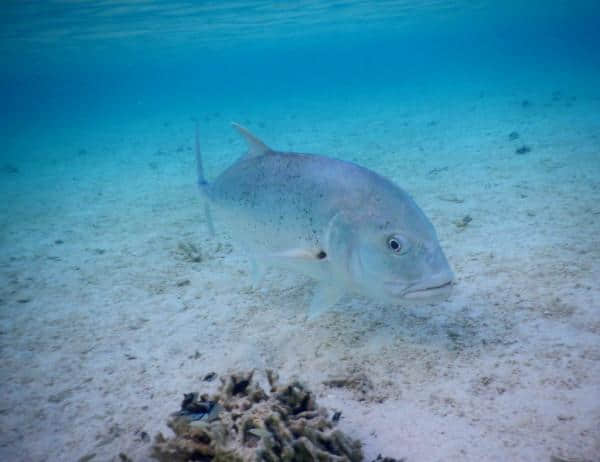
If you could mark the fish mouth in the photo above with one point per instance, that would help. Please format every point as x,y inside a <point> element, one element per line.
<point>421,291</point>
<point>428,292</point>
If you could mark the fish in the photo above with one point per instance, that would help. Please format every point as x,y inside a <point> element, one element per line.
<point>345,226</point>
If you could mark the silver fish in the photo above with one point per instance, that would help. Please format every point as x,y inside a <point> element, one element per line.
<point>349,228</point>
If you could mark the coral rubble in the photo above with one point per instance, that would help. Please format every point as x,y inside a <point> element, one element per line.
<point>243,422</point>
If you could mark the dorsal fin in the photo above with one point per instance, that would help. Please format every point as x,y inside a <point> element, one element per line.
<point>255,146</point>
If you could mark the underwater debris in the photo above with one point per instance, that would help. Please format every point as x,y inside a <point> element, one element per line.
<point>194,409</point>
<point>142,436</point>
<point>523,150</point>
<point>513,136</point>
<point>463,222</point>
<point>380,458</point>
<point>209,377</point>
<point>360,384</point>
<point>451,198</point>
<point>241,422</point>
<point>189,252</point>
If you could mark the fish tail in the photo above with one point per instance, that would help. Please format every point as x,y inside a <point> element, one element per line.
<point>202,183</point>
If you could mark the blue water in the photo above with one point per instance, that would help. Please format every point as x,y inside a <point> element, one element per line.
<point>99,308</point>
<point>72,61</point>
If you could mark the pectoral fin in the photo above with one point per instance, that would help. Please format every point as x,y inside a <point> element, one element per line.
<point>326,295</point>
<point>301,253</point>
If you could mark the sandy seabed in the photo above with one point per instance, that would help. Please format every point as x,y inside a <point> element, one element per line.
<point>115,301</point>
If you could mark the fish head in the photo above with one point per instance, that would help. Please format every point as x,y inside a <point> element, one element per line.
<point>392,254</point>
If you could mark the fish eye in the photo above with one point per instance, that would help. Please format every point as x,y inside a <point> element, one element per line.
<point>397,244</point>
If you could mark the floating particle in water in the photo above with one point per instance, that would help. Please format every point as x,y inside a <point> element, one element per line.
<point>523,150</point>
<point>10,169</point>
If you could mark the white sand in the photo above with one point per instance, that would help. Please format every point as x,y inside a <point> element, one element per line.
<point>99,334</point>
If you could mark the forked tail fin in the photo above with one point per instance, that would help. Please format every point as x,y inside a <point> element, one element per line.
<point>203,184</point>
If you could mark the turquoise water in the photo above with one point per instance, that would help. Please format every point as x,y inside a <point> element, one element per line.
<point>70,61</point>
<point>114,299</point>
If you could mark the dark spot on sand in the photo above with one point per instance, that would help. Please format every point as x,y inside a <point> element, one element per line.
<point>380,458</point>
<point>486,380</point>
<point>513,136</point>
<point>523,150</point>
<point>59,242</point>
<point>189,252</point>
<point>144,437</point>
<point>321,255</point>
<point>209,377</point>
<point>462,224</point>
<point>525,103</point>
<point>435,171</point>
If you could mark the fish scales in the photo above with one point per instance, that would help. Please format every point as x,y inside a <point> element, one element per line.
<point>346,226</point>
